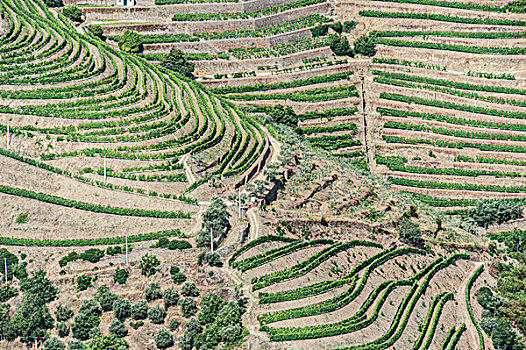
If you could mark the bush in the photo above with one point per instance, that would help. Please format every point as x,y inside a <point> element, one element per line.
<point>139,310</point>
<point>177,62</point>
<point>106,298</point>
<point>163,339</point>
<point>130,41</point>
<point>152,291</point>
<point>348,26</point>
<point>83,325</point>
<point>22,218</point>
<point>53,3</point>
<point>174,324</point>
<point>188,307</point>
<point>122,309</point>
<point>137,324</point>
<point>340,45</point>
<point>156,314</point>
<point>53,344</point>
<point>118,328</point>
<point>76,345</point>
<point>186,341</point>
<point>62,329</point>
<point>73,13</point>
<point>409,232</point>
<point>7,292</point>
<point>189,289</point>
<point>365,45</point>
<point>90,307</point>
<point>108,342</point>
<point>96,30</point>
<point>63,313</point>
<point>149,264</point>
<point>84,282</point>
<point>495,211</point>
<point>121,276</point>
<point>178,278</point>
<point>170,297</point>
<point>179,244</point>
<point>319,30</point>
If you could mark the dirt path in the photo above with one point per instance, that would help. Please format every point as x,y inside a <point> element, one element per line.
<point>254,225</point>
<point>460,296</point>
<point>188,171</point>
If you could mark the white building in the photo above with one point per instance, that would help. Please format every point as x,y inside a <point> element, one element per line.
<point>125,2</point>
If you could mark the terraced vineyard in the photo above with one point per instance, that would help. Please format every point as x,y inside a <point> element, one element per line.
<point>337,295</point>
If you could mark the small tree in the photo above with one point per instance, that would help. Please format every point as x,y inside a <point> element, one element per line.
<point>153,291</point>
<point>170,297</point>
<point>122,309</point>
<point>319,30</point>
<point>84,282</point>
<point>139,310</point>
<point>409,232</point>
<point>188,307</point>
<point>108,342</point>
<point>53,344</point>
<point>63,313</point>
<point>189,289</point>
<point>174,324</point>
<point>90,307</point>
<point>83,325</point>
<point>62,329</point>
<point>76,345</point>
<point>121,276</point>
<point>186,341</point>
<point>95,29</point>
<point>149,264</point>
<point>73,13</point>
<point>163,339</point>
<point>118,328</point>
<point>53,3</point>
<point>130,41</point>
<point>156,314</point>
<point>340,45</point>
<point>106,298</point>
<point>177,62</point>
<point>365,45</point>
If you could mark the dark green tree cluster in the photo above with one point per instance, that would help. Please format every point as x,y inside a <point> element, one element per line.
<point>495,212</point>
<point>177,62</point>
<point>149,265</point>
<point>340,45</point>
<point>95,29</point>
<point>283,115</point>
<point>409,232</point>
<point>54,3</point>
<point>215,218</point>
<point>73,13</point>
<point>130,42</point>
<point>365,45</point>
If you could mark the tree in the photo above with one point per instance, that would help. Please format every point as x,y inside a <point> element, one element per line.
<point>365,45</point>
<point>283,115</point>
<point>76,345</point>
<point>186,341</point>
<point>139,310</point>
<point>188,307</point>
<point>73,13</point>
<point>130,41</point>
<point>173,324</point>
<point>163,339</point>
<point>108,342</point>
<point>39,285</point>
<point>90,307</point>
<point>153,291</point>
<point>156,314</point>
<point>121,276</point>
<point>62,329</point>
<point>83,325</point>
<point>84,282</point>
<point>63,313</point>
<point>95,29</point>
<point>6,328</point>
<point>177,61</point>
<point>215,218</point>
<point>54,3</point>
<point>149,264</point>
<point>118,328</point>
<point>7,292</point>
<point>32,318</point>
<point>340,45</point>
<point>495,211</point>
<point>122,309</point>
<point>210,306</point>
<point>170,297</point>
<point>106,298</point>
<point>409,232</point>
<point>319,30</point>
<point>53,344</point>
<point>348,26</point>
<point>193,327</point>
<point>189,289</point>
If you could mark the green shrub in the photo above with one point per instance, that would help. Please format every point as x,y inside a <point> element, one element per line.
<point>170,297</point>
<point>108,342</point>
<point>409,232</point>
<point>122,309</point>
<point>189,289</point>
<point>188,307</point>
<point>63,313</point>
<point>95,29</point>
<point>62,329</point>
<point>76,345</point>
<point>149,264</point>
<point>84,282</point>
<point>139,310</point>
<point>156,314</point>
<point>319,30</point>
<point>121,276</point>
<point>130,41</point>
<point>105,298</point>
<point>53,344</point>
<point>73,13</point>
<point>22,218</point>
<point>177,62</point>
<point>163,339</point>
<point>118,328</point>
<point>340,45</point>
<point>90,307</point>
<point>496,211</point>
<point>174,324</point>
<point>153,291</point>
<point>53,3</point>
<point>365,45</point>
<point>7,292</point>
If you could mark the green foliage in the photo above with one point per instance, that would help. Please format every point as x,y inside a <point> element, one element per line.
<point>130,41</point>
<point>32,318</point>
<point>92,255</point>
<point>409,232</point>
<point>149,265</point>
<point>170,297</point>
<point>348,26</point>
<point>120,276</point>
<point>7,292</point>
<point>486,213</point>
<point>319,30</point>
<point>22,218</point>
<point>105,298</point>
<point>163,339</point>
<point>283,115</point>
<point>153,291</point>
<point>84,282</point>
<point>156,314</point>
<point>215,218</point>
<point>40,286</point>
<point>188,307</point>
<point>12,262</point>
<point>174,324</point>
<point>210,306</point>
<point>177,62</point>
<point>76,345</point>
<point>108,342</point>
<point>90,307</point>
<point>73,13</point>
<point>63,313</point>
<point>118,328</point>
<point>516,6</point>
<point>189,289</point>
<point>340,45</point>
<point>139,310</point>
<point>95,29</point>
<point>122,309</point>
<point>53,344</point>
<point>53,3</point>
<point>82,326</point>
<point>365,45</point>
<point>62,329</point>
